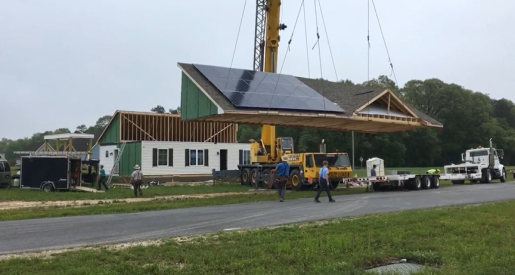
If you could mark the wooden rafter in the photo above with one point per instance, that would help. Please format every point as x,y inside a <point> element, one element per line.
<point>141,126</point>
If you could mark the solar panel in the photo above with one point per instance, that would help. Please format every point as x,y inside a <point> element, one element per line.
<point>254,89</point>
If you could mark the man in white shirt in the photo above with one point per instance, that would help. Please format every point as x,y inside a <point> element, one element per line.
<point>137,180</point>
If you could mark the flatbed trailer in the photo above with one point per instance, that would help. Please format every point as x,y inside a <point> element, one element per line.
<point>409,181</point>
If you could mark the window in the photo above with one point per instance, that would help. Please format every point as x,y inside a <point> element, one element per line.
<point>2,167</point>
<point>7,167</point>
<point>107,154</point>
<point>162,157</point>
<point>196,157</point>
<point>244,157</point>
<point>334,160</point>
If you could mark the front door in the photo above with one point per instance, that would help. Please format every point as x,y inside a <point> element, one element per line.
<point>223,159</point>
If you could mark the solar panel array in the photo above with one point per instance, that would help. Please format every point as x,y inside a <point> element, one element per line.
<point>254,89</point>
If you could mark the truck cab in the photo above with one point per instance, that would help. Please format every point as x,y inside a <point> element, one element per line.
<point>339,167</point>
<point>480,164</point>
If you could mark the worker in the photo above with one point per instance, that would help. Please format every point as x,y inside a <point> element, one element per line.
<point>102,178</point>
<point>137,180</point>
<point>433,171</point>
<point>373,171</point>
<point>282,170</point>
<point>324,183</point>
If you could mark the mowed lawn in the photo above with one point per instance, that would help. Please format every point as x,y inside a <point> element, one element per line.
<point>117,193</point>
<point>468,240</point>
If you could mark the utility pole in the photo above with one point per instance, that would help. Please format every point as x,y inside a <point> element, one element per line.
<point>353,167</point>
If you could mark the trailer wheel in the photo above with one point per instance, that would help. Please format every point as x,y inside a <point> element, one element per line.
<point>334,184</point>
<point>47,187</point>
<point>376,186</point>
<point>503,176</point>
<point>296,179</point>
<point>417,183</point>
<point>245,176</point>
<point>426,182</point>
<point>435,182</point>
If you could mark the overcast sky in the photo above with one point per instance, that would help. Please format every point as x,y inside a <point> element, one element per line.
<point>66,63</point>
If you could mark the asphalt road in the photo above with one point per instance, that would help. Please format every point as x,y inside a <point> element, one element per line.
<point>67,232</point>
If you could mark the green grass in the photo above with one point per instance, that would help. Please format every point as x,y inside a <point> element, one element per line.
<point>459,240</point>
<point>116,193</point>
<point>158,204</point>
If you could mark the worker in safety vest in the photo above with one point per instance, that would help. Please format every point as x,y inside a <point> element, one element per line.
<point>433,171</point>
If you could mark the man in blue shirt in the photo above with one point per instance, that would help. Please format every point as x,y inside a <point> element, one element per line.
<point>373,171</point>
<point>324,183</point>
<point>282,172</point>
<point>102,178</point>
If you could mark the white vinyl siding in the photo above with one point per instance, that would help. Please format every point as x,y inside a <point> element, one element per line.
<point>205,161</point>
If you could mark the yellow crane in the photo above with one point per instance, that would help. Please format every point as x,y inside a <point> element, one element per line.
<point>266,152</point>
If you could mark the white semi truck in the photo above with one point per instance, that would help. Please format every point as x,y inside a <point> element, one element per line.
<point>478,165</point>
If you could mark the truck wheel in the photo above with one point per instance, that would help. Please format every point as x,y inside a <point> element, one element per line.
<point>426,182</point>
<point>417,183</point>
<point>266,173</point>
<point>245,176</point>
<point>487,176</point>
<point>503,175</point>
<point>296,179</point>
<point>47,187</point>
<point>334,184</point>
<point>435,182</point>
<point>253,179</point>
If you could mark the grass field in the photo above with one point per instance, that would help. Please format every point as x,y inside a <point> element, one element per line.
<point>464,240</point>
<point>117,193</point>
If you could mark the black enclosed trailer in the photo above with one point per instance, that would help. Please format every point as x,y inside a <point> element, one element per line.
<point>50,172</point>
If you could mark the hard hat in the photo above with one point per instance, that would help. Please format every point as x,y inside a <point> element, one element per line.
<point>284,158</point>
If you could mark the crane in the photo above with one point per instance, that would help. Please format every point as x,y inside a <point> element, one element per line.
<point>266,152</point>
<point>266,50</point>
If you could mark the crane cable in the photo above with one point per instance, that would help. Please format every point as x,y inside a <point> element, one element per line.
<point>236,43</point>
<point>306,36</point>
<point>328,42</point>
<point>384,40</point>
<point>319,52</point>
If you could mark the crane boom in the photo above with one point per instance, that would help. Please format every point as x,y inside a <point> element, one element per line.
<point>266,48</point>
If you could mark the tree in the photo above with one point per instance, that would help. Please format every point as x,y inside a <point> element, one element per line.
<point>158,109</point>
<point>175,111</point>
<point>82,128</point>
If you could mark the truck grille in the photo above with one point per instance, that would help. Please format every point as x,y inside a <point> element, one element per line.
<point>339,174</point>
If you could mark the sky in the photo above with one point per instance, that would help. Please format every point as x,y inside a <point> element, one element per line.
<point>66,63</point>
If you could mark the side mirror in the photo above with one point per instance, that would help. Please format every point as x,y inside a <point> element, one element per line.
<point>462,157</point>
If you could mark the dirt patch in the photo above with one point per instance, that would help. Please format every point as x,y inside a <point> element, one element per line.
<point>50,253</point>
<point>10,205</point>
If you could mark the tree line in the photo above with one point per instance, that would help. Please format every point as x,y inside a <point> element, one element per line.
<point>470,119</point>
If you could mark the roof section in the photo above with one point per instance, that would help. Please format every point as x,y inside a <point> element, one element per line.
<point>367,109</point>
